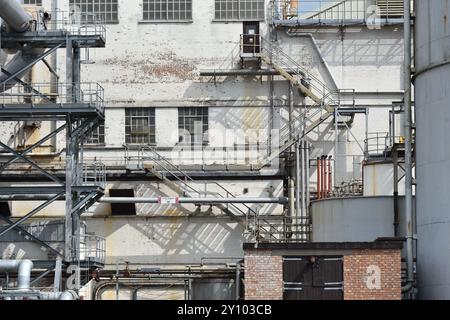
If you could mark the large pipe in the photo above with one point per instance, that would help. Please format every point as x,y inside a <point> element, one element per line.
<point>15,16</point>
<point>18,20</point>
<point>23,269</point>
<point>280,200</point>
<point>408,150</point>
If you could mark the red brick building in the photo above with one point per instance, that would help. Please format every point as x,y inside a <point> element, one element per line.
<point>323,271</point>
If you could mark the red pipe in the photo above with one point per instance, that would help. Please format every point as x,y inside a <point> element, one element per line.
<point>319,191</point>
<point>330,178</point>
<point>324,183</point>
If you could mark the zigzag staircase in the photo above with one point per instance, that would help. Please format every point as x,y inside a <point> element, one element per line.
<point>324,100</point>
<point>181,183</point>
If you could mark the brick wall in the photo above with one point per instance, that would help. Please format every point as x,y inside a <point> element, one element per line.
<point>372,275</point>
<point>263,276</point>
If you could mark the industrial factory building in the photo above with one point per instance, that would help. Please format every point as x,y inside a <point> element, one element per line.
<point>224,150</point>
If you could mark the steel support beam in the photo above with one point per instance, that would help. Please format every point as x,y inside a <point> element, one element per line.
<point>32,238</point>
<point>31,64</point>
<point>32,163</point>
<point>31,148</point>
<point>30,214</point>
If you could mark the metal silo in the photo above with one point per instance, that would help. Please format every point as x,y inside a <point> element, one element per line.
<point>432,91</point>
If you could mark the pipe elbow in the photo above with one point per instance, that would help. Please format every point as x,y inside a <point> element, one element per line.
<point>24,274</point>
<point>68,296</point>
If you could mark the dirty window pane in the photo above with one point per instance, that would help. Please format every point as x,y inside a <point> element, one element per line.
<point>239,10</point>
<point>140,126</point>
<point>97,136</point>
<point>193,125</point>
<point>167,10</point>
<point>107,10</point>
<point>33,2</point>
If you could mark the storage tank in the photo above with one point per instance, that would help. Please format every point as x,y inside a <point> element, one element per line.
<point>432,90</point>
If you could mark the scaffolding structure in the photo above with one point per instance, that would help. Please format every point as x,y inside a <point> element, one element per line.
<point>74,108</point>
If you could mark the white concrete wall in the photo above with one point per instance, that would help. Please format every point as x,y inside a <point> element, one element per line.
<point>157,65</point>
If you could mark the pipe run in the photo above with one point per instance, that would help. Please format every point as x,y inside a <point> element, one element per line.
<point>408,150</point>
<point>177,200</point>
<point>23,269</point>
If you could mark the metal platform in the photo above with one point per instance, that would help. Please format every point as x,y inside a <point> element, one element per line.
<point>50,39</point>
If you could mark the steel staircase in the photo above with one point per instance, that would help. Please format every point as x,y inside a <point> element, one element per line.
<point>180,182</point>
<point>324,100</point>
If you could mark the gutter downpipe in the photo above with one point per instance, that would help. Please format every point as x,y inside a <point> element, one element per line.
<point>319,53</point>
<point>408,150</point>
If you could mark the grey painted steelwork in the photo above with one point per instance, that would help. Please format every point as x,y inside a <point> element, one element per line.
<point>432,100</point>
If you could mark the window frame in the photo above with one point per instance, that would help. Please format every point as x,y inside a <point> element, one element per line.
<point>114,21</point>
<point>99,131</point>
<point>187,20</point>
<point>37,3</point>
<point>129,125</point>
<point>205,124</point>
<point>239,18</point>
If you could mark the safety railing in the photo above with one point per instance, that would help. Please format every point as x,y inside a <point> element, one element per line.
<point>93,174</point>
<point>87,93</point>
<point>92,248</point>
<point>48,231</point>
<point>74,22</point>
<point>326,11</point>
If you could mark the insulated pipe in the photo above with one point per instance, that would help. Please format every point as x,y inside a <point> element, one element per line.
<point>15,16</point>
<point>280,200</point>
<point>66,295</point>
<point>18,20</point>
<point>23,269</point>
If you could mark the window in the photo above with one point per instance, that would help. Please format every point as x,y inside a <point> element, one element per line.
<point>193,125</point>
<point>167,10</point>
<point>239,9</point>
<point>140,126</point>
<point>97,136</point>
<point>107,10</point>
<point>122,209</point>
<point>33,2</point>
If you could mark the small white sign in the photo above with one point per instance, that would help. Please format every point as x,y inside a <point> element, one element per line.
<point>166,200</point>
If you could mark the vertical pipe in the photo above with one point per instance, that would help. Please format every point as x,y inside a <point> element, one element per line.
<point>298,186</point>
<point>330,181</point>
<point>303,195</point>
<point>408,148</point>
<point>319,179</point>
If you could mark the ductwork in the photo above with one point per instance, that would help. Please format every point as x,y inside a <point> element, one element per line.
<point>17,20</point>
<point>15,16</point>
<point>23,269</point>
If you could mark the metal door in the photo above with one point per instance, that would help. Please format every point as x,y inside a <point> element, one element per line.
<point>313,278</point>
<point>251,41</point>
